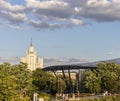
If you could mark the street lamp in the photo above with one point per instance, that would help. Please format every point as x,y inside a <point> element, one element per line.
<point>58,85</point>
<point>57,95</point>
<point>78,85</point>
<point>61,85</point>
<point>73,90</point>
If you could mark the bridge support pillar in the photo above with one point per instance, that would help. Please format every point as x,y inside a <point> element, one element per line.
<point>64,76</point>
<point>71,86</point>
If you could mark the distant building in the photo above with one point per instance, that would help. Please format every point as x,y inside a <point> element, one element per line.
<point>31,59</point>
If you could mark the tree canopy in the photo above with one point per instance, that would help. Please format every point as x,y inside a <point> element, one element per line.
<point>15,82</point>
<point>105,78</point>
<point>46,81</point>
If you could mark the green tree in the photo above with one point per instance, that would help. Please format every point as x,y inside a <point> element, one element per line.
<point>7,83</point>
<point>46,81</point>
<point>15,82</point>
<point>109,76</point>
<point>92,82</point>
<point>23,80</point>
<point>39,79</point>
<point>105,77</point>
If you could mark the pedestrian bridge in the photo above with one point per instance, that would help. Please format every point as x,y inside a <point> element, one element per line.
<point>78,69</point>
<point>69,67</point>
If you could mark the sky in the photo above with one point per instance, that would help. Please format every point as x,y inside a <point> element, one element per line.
<point>62,31</point>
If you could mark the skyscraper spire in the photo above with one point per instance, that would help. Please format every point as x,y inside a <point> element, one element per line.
<point>31,41</point>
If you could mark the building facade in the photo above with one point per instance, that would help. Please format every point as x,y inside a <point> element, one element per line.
<point>31,59</point>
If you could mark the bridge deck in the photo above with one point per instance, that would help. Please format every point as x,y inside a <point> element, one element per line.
<point>67,67</point>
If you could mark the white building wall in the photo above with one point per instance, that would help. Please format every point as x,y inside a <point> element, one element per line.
<point>31,59</point>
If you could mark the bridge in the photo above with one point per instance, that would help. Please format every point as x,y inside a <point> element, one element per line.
<point>67,67</point>
<point>79,69</point>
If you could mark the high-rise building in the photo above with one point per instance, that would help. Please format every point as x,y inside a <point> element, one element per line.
<point>31,59</point>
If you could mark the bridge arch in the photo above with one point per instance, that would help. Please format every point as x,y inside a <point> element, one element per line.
<point>68,69</point>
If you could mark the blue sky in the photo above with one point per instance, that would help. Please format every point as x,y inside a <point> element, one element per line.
<point>62,31</point>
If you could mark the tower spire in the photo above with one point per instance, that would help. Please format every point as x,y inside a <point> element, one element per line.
<point>31,41</point>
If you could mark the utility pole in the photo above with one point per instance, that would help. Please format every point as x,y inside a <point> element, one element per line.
<point>78,84</point>
<point>61,85</point>
<point>58,85</point>
<point>58,95</point>
<point>73,90</point>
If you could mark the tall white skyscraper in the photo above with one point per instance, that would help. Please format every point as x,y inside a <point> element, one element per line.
<point>31,59</point>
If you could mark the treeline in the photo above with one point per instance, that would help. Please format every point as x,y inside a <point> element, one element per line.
<point>17,83</point>
<point>105,78</point>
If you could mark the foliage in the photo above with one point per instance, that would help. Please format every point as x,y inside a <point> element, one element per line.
<point>109,73</point>
<point>45,96</point>
<point>47,82</point>
<point>61,84</point>
<point>23,79</point>
<point>106,98</point>
<point>105,77</point>
<point>44,81</point>
<point>15,82</point>
<point>7,82</point>
<point>92,82</point>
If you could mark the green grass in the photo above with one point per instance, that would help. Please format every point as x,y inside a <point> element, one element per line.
<point>106,98</point>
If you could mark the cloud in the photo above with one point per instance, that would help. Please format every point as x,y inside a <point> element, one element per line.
<point>76,60</point>
<point>100,10</point>
<point>43,25</point>
<point>13,18</point>
<point>46,4</point>
<point>12,14</point>
<point>54,14</point>
<point>8,7</point>
<point>48,61</point>
<point>12,60</point>
<point>14,26</point>
<point>110,53</point>
<point>52,60</point>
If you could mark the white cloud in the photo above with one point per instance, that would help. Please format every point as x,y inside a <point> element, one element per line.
<point>101,10</point>
<point>46,4</point>
<point>49,61</point>
<point>76,21</point>
<point>52,14</point>
<point>43,25</point>
<point>110,53</point>
<point>14,26</point>
<point>7,6</point>
<point>98,2</point>
<point>116,1</point>
<point>12,14</point>
<point>12,60</point>
<point>13,18</point>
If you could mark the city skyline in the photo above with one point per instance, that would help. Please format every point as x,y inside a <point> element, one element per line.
<point>63,31</point>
